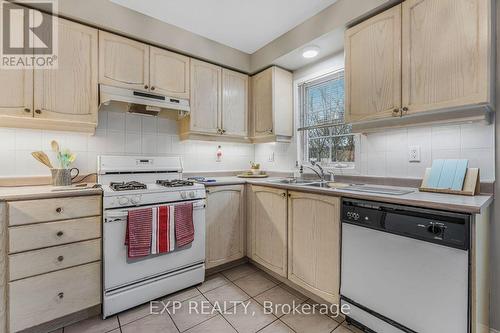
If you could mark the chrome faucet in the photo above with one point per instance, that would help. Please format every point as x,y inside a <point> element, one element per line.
<point>321,173</point>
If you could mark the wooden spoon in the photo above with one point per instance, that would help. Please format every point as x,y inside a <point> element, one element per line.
<point>41,157</point>
<point>55,148</point>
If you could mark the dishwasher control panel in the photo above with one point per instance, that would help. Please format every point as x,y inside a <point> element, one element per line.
<point>440,227</point>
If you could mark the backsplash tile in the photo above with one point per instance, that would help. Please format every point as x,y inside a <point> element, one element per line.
<point>383,154</point>
<point>386,154</point>
<point>117,133</point>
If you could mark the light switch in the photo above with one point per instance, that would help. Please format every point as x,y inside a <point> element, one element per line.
<point>270,158</point>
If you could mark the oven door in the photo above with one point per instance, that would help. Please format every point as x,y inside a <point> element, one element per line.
<point>119,271</point>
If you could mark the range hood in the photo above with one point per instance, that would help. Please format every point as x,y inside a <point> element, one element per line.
<point>141,102</point>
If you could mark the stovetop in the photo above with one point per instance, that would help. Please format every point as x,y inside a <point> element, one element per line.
<point>174,182</point>
<point>127,186</point>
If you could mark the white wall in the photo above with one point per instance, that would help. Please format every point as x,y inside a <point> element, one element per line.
<point>118,133</point>
<point>385,154</point>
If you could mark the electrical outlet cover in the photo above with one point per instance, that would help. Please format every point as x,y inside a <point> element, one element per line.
<point>414,153</point>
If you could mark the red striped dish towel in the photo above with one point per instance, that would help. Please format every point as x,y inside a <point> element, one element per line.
<point>163,229</point>
<point>138,234</point>
<point>184,228</point>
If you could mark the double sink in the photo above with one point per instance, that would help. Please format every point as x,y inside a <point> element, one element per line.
<point>343,186</point>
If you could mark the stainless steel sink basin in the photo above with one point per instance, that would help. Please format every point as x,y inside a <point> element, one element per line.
<point>330,185</point>
<point>294,181</point>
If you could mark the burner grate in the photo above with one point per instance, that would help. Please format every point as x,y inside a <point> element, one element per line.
<point>174,183</point>
<point>127,186</point>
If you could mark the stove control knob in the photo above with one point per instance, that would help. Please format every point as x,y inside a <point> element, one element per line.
<point>123,200</point>
<point>191,194</point>
<point>135,200</point>
<point>184,195</point>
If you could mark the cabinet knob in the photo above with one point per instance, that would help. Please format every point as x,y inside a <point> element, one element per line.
<point>60,295</point>
<point>405,109</point>
<point>146,86</point>
<point>60,258</point>
<point>60,233</point>
<point>395,112</point>
<point>59,210</point>
<point>152,88</point>
<point>37,111</point>
<point>223,131</point>
<point>27,110</point>
<point>283,194</point>
<point>270,131</point>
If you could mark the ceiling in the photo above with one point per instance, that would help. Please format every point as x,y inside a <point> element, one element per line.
<point>246,25</point>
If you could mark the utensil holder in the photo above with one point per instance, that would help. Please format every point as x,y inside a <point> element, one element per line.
<point>63,177</point>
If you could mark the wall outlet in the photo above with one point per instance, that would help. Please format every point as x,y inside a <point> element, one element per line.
<point>270,158</point>
<point>414,153</point>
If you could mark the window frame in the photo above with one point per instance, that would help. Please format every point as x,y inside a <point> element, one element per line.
<point>341,167</point>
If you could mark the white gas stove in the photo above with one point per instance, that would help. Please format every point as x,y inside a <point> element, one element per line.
<point>132,182</point>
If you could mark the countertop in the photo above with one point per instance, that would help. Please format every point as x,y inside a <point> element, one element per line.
<point>45,191</point>
<point>449,202</point>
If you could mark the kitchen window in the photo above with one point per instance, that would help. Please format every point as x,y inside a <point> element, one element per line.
<point>325,136</point>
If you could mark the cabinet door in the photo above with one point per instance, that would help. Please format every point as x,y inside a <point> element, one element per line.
<point>16,94</point>
<point>314,243</point>
<point>262,103</point>
<point>446,50</point>
<point>269,225</point>
<point>373,67</point>
<point>69,93</point>
<point>225,224</point>
<point>169,73</point>
<point>205,97</point>
<point>234,103</point>
<point>123,62</point>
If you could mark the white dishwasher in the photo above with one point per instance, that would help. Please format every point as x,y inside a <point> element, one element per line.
<point>405,269</point>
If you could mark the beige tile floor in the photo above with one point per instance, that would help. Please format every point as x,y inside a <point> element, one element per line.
<point>242,283</point>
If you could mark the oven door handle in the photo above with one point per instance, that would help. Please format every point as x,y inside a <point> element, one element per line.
<point>121,215</point>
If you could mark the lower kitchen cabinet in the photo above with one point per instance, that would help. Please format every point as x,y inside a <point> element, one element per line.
<point>50,261</point>
<point>225,220</point>
<point>267,227</point>
<point>314,243</point>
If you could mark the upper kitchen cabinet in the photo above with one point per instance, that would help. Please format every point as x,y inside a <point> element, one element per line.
<point>446,54</point>
<point>16,95</point>
<point>272,105</point>
<point>206,103</point>
<point>123,62</point>
<point>69,93</point>
<point>234,103</point>
<point>56,99</point>
<point>169,73</point>
<point>219,104</point>
<point>129,64</point>
<point>373,67</point>
<point>418,62</point>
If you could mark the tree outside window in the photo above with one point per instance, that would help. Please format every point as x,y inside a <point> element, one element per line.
<point>325,136</point>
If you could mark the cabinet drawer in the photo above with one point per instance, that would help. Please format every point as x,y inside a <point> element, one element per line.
<point>33,211</point>
<point>46,297</point>
<point>35,236</point>
<point>42,261</point>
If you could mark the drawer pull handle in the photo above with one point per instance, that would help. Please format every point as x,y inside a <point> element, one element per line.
<point>60,295</point>
<point>60,258</point>
<point>60,233</point>
<point>59,210</point>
